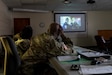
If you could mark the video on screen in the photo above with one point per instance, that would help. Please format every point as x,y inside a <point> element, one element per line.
<point>71,22</point>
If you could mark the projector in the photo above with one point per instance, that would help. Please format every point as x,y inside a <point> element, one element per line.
<point>90,2</point>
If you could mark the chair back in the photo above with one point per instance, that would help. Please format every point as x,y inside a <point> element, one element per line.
<point>100,42</point>
<point>12,59</point>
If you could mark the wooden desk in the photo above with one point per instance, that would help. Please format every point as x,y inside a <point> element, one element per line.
<point>64,68</point>
<point>107,34</point>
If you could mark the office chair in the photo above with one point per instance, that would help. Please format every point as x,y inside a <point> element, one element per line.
<point>11,60</point>
<point>101,43</point>
<point>110,45</point>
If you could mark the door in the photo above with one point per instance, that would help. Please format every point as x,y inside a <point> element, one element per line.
<point>20,23</point>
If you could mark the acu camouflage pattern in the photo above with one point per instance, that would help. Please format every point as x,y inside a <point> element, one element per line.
<point>42,48</point>
<point>22,46</point>
<point>16,37</point>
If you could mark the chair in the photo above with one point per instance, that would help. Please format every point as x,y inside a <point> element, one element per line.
<point>101,43</point>
<point>11,60</point>
<point>110,45</point>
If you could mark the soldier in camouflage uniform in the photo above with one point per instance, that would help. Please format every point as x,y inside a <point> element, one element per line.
<point>26,33</point>
<point>42,48</point>
<point>22,39</point>
<point>22,46</point>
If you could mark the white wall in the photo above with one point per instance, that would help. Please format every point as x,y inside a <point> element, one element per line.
<point>96,20</point>
<point>6,26</point>
<point>36,19</point>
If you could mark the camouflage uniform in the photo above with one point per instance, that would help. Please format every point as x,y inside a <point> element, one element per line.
<point>16,37</point>
<point>22,46</point>
<point>42,48</point>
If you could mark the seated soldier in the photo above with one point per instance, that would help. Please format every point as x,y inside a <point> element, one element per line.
<point>43,47</point>
<point>22,39</point>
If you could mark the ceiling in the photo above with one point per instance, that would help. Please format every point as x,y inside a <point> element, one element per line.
<point>58,5</point>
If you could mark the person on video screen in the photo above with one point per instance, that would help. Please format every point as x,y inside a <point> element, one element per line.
<point>67,25</point>
<point>74,23</point>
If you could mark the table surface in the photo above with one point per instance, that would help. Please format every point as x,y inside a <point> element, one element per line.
<point>63,67</point>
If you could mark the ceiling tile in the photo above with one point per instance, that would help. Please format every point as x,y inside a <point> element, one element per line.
<point>58,4</point>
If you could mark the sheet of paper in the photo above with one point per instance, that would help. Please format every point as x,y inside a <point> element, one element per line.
<point>95,69</point>
<point>92,54</point>
<point>66,58</point>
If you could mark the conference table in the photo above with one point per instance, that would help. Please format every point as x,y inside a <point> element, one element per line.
<point>63,67</point>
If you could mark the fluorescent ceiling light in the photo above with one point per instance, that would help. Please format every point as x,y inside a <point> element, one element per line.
<point>27,10</point>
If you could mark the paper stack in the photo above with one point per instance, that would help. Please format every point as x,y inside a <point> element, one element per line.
<point>67,58</point>
<point>95,69</point>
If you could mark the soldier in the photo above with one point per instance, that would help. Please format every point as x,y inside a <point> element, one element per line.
<point>42,48</point>
<point>22,39</point>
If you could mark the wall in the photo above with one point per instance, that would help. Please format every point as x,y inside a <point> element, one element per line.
<point>96,20</point>
<point>6,26</point>
<point>36,19</point>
